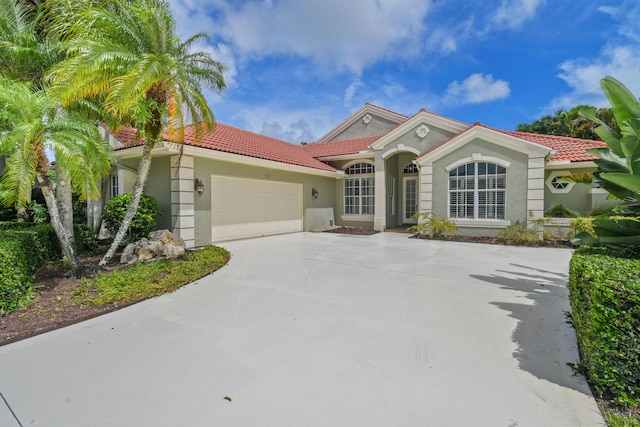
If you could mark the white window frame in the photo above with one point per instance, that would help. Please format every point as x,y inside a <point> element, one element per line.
<point>476,191</point>
<point>114,185</point>
<point>550,182</point>
<point>357,179</point>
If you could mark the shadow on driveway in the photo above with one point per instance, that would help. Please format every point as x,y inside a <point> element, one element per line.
<point>546,341</point>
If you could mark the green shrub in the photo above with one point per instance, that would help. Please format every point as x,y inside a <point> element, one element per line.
<point>604,292</point>
<point>143,222</point>
<point>86,239</point>
<point>19,259</point>
<point>434,225</point>
<point>518,234</point>
<point>580,225</point>
<point>560,211</point>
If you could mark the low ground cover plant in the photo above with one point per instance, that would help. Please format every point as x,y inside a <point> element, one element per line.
<point>146,280</point>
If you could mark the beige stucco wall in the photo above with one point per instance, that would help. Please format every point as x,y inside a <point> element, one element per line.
<point>517,176</point>
<point>359,129</point>
<point>577,199</point>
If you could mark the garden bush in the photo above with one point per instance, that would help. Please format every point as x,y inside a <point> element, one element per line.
<point>559,210</point>
<point>20,257</point>
<point>604,287</point>
<point>143,222</point>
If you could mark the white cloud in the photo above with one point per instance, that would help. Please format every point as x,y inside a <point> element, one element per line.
<point>351,90</point>
<point>342,35</point>
<point>583,76</point>
<point>476,89</point>
<point>293,126</point>
<point>514,13</point>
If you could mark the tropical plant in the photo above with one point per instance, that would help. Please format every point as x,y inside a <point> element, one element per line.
<point>143,221</point>
<point>128,55</point>
<point>433,225</point>
<point>618,168</point>
<point>39,127</point>
<point>558,210</point>
<point>26,51</point>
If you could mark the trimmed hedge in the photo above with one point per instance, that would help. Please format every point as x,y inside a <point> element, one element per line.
<point>604,292</point>
<point>24,247</point>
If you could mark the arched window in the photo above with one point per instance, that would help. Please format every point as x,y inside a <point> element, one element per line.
<point>410,168</point>
<point>477,190</point>
<point>359,188</point>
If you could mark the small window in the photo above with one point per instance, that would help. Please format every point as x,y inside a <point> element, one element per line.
<point>114,186</point>
<point>559,187</point>
<point>359,169</point>
<point>410,168</point>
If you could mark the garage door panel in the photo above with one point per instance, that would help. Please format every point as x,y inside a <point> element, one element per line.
<point>243,208</point>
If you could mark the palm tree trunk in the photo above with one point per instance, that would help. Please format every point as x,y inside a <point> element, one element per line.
<point>65,203</point>
<point>138,187</point>
<point>65,244</point>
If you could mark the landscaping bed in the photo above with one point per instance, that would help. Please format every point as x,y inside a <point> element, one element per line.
<point>61,301</point>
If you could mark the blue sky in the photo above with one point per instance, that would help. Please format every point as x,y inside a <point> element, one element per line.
<point>297,68</point>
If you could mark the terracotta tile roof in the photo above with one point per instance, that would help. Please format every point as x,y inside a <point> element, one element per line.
<point>566,148</point>
<point>339,148</point>
<point>127,136</point>
<point>229,139</point>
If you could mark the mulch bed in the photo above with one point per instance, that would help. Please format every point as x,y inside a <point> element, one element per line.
<point>362,231</point>
<point>54,305</point>
<point>358,231</point>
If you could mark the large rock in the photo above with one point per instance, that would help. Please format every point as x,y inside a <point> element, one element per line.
<point>161,244</point>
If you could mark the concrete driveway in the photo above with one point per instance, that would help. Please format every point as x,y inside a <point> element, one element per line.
<point>321,330</point>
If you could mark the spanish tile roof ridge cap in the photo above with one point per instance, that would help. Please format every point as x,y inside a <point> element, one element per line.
<point>424,110</point>
<point>373,137</point>
<point>561,137</point>
<point>385,109</point>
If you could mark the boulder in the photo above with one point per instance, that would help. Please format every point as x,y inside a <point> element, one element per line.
<point>161,244</point>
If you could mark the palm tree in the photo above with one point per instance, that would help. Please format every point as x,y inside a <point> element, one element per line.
<point>24,53</point>
<point>33,126</point>
<point>128,54</point>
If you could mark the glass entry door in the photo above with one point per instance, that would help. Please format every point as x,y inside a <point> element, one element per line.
<point>410,203</point>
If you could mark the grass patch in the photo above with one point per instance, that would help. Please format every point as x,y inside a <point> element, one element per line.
<point>142,281</point>
<point>614,420</point>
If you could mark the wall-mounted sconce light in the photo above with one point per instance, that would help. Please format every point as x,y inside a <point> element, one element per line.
<point>199,187</point>
<point>314,193</point>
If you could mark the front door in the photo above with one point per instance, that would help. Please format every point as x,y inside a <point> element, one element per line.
<point>410,202</point>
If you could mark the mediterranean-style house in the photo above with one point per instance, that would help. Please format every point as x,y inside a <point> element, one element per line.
<point>375,169</point>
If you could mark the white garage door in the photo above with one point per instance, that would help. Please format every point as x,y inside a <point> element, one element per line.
<point>249,208</point>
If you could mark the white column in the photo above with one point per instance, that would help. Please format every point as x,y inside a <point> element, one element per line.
<point>380,218</point>
<point>426,188</point>
<point>182,199</point>
<point>535,189</point>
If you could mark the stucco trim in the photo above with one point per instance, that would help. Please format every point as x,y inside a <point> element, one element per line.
<point>488,135</point>
<point>564,164</point>
<point>206,153</point>
<point>477,157</point>
<point>361,155</point>
<point>400,148</point>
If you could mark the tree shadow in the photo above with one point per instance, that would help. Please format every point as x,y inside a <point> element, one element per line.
<point>545,340</point>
